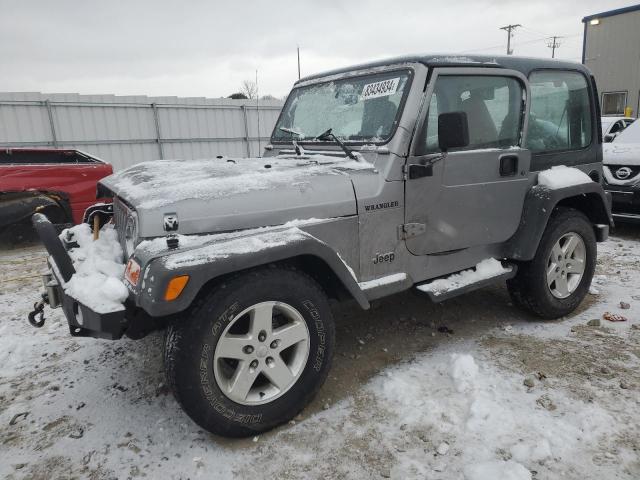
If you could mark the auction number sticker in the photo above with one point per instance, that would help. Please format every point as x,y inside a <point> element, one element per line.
<point>383,88</point>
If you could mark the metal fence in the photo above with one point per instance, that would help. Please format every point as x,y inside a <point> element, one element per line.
<point>124,130</point>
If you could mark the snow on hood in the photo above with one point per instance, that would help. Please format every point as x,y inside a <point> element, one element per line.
<point>615,153</point>
<point>625,149</point>
<point>159,183</point>
<point>212,196</point>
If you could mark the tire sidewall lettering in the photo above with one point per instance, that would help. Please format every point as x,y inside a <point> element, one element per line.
<point>206,378</point>
<point>318,360</point>
<point>211,391</point>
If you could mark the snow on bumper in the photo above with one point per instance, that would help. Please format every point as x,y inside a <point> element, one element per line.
<point>90,291</point>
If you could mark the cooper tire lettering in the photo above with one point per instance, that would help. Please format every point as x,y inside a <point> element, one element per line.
<point>196,336</point>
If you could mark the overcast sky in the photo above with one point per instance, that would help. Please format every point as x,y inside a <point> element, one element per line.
<point>206,48</point>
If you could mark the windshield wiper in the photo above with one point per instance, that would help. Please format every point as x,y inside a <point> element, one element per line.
<point>328,135</point>
<point>298,148</point>
<point>291,131</point>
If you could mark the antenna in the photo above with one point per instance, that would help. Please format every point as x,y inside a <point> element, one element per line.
<point>298,62</point>
<point>258,114</point>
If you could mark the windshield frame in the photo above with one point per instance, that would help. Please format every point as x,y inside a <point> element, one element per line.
<point>405,69</point>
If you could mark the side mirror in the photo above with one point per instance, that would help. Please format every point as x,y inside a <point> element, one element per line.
<point>608,138</point>
<point>453,130</point>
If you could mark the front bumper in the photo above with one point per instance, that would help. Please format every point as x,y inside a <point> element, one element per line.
<point>626,202</point>
<point>84,322</point>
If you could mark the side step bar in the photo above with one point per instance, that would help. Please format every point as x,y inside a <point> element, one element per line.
<point>437,291</point>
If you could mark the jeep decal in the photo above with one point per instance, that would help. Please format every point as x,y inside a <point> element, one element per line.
<point>380,206</point>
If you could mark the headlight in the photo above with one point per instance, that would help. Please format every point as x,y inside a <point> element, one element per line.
<point>130,234</point>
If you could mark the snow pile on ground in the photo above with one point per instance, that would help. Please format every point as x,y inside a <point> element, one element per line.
<point>484,270</point>
<point>97,282</point>
<point>483,422</point>
<point>402,401</point>
<point>562,176</point>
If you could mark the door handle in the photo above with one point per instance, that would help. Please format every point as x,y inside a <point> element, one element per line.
<point>508,165</point>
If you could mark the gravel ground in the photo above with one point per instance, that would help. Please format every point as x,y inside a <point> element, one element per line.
<point>495,394</point>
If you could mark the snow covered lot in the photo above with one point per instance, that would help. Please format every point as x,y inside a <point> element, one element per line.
<point>471,389</point>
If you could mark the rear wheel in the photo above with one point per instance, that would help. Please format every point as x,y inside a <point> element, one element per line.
<point>557,279</point>
<point>252,353</point>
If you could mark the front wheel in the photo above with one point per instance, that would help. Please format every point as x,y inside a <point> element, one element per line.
<point>557,279</point>
<point>251,354</point>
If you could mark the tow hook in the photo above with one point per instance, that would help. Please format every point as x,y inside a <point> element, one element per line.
<point>38,311</point>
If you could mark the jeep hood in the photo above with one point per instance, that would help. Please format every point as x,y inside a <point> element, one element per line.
<point>230,194</point>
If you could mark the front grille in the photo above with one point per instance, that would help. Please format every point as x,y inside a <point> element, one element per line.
<point>633,171</point>
<point>120,214</point>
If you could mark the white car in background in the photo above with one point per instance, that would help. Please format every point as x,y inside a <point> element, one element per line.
<point>621,168</point>
<point>613,126</point>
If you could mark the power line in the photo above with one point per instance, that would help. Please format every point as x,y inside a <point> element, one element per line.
<point>509,29</point>
<point>540,34</point>
<point>517,44</point>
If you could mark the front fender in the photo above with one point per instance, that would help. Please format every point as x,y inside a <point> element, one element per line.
<point>539,204</point>
<point>226,256</point>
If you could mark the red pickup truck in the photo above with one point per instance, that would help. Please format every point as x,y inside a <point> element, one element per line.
<point>60,183</point>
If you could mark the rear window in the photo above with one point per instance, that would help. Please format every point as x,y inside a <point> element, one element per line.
<point>560,111</point>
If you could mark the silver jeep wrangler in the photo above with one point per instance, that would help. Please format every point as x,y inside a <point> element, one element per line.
<point>438,173</point>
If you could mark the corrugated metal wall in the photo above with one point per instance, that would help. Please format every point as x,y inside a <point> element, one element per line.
<point>127,130</point>
<point>612,53</point>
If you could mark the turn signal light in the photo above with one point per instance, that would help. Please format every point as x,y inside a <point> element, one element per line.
<point>175,287</point>
<point>132,272</point>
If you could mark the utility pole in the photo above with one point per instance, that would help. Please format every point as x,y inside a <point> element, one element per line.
<point>298,62</point>
<point>509,29</point>
<point>553,43</point>
<point>258,114</point>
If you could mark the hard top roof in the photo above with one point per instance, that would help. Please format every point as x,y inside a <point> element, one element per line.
<point>611,13</point>
<point>521,64</point>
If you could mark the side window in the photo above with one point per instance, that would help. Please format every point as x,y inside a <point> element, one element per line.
<point>493,105</point>
<point>560,116</point>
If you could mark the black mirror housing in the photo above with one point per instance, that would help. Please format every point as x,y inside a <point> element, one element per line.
<point>453,130</point>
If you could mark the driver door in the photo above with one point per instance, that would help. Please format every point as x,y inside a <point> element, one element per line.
<point>473,195</point>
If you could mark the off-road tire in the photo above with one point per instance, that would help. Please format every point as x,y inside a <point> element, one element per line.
<point>529,289</point>
<point>191,341</point>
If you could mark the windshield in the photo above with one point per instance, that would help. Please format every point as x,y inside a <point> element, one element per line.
<point>631,134</point>
<point>357,109</point>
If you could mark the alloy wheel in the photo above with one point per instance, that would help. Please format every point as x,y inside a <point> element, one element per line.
<point>261,353</point>
<point>566,265</point>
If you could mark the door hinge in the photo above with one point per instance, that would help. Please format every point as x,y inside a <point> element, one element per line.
<point>405,172</point>
<point>410,230</point>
